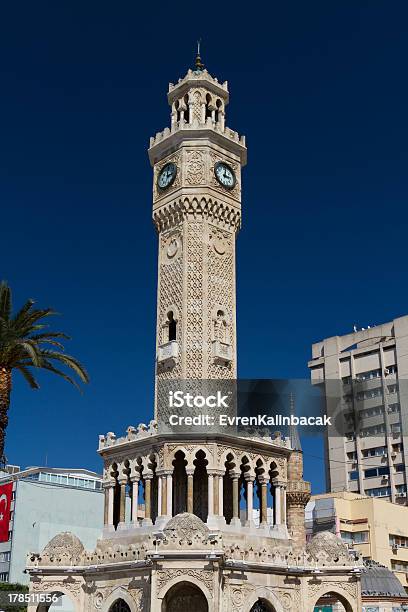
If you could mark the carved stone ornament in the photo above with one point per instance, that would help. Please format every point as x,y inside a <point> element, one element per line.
<point>171,247</point>
<point>201,575</point>
<point>349,588</point>
<point>184,526</point>
<point>195,168</point>
<point>220,241</point>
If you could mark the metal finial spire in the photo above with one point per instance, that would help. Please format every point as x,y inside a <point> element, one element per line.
<point>293,430</point>
<point>198,63</point>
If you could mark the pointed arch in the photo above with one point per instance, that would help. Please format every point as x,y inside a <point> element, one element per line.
<point>117,594</point>
<point>343,597</point>
<point>264,595</point>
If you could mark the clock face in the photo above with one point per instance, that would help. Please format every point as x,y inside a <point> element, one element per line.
<point>167,176</point>
<point>225,175</point>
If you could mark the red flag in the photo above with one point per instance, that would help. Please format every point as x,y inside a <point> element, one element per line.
<point>5,504</point>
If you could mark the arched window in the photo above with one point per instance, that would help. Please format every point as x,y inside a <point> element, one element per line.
<point>184,596</point>
<point>172,324</point>
<point>261,606</point>
<point>187,111</point>
<point>119,606</point>
<point>177,107</point>
<point>207,106</point>
<point>218,105</point>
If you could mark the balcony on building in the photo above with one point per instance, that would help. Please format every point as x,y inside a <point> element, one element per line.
<point>222,352</point>
<point>167,353</point>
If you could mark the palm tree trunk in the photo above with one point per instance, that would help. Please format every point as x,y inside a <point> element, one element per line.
<point>5,390</point>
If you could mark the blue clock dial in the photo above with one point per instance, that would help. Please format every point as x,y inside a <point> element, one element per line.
<point>166,176</point>
<point>225,175</point>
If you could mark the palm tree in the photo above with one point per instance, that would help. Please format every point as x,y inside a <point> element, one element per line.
<point>26,344</point>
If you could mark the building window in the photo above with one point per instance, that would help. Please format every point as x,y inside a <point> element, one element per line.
<point>399,566</point>
<point>369,394</point>
<point>368,412</point>
<point>377,451</point>
<point>379,492</point>
<point>398,541</point>
<point>172,323</point>
<point>372,472</point>
<point>372,431</point>
<point>368,375</point>
<point>353,475</point>
<point>354,537</point>
<point>4,576</point>
<point>5,556</point>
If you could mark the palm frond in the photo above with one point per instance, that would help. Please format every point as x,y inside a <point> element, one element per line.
<point>47,365</point>
<point>5,300</point>
<point>69,361</point>
<point>32,350</point>
<point>22,313</point>
<point>28,376</point>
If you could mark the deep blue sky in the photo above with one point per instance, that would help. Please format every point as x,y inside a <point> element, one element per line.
<point>319,89</point>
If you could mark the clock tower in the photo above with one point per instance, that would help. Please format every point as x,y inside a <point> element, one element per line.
<point>197,164</point>
<point>203,520</point>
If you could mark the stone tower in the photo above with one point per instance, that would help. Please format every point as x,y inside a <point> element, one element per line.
<point>197,212</point>
<point>209,521</point>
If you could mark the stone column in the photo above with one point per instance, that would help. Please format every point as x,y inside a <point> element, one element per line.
<point>264,503</point>
<point>169,509</point>
<point>235,501</point>
<point>284,504</point>
<point>109,502</point>
<point>163,505</point>
<point>190,490</point>
<point>135,499</point>
<point>249,500</point>
<point>148,499</point>
<point>216,495</point>
<point>210,494</point>
<point>221,495</point>
<point>122,502</point>
<point>106,503</point>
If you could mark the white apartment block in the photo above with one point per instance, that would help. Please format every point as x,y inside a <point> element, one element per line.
<point>364,376</point>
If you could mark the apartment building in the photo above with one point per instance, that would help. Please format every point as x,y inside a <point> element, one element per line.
<point>373,527</point>
<point>364,378</point>
<point>38,503</point>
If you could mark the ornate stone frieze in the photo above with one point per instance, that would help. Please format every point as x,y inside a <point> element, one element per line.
<point>173,213</point>
<point>195,167</point>
<point>201,575</point>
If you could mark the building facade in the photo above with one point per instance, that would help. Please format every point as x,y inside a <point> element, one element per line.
<point>194,549</point>
<point>42,503</point>
<point>376,529</point>
<point>364,375</point>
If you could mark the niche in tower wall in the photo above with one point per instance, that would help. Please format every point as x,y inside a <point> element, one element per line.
<point>155,497</point>
<point>201,486</point>
<point>179,483</point>
<point>116,504</point>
